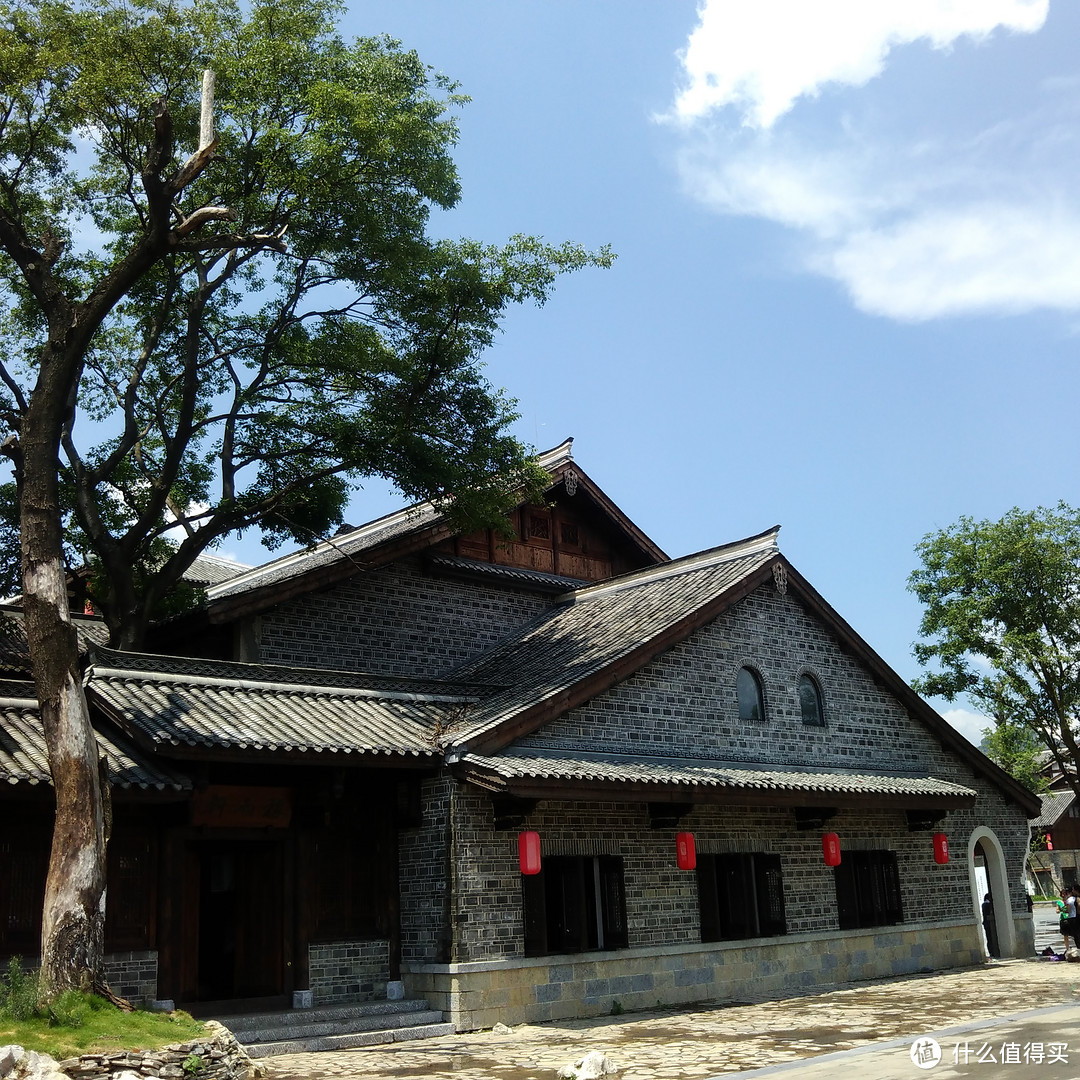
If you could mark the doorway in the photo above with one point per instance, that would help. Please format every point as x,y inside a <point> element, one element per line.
<point>987,876</point>
<point>240,920</point>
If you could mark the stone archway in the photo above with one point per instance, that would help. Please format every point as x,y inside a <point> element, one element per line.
<point>997,884</point>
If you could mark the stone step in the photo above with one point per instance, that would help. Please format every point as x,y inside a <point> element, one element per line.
<point>288,1028</point>
<point>348,1041</point>
<point>242,1022</point>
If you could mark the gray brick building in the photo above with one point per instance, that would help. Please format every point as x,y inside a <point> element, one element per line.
<point>362,750</point>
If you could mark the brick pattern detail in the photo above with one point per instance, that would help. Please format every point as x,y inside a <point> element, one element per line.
<point>477,996</point>
<point>348,971</point>
<point>133,975</point>
<point>423,876</point>
<point>394,621</point>
<point>683,705</point>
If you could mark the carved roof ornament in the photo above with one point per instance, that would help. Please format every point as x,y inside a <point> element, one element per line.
<point>571,479</point>
<point>779,573</point>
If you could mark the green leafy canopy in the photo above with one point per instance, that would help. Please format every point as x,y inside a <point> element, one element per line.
<point>270,321</point>
<point>1001,622</point>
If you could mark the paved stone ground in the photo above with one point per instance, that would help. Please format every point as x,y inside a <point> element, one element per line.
<point>693,1044</point>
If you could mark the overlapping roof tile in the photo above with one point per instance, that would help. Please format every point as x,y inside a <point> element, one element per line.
<point>1054,804</point>
<point>24,758</point>
<point>733,776</point>
<point>175,705</point>
<point>595,626</point>
<point>354,543</point>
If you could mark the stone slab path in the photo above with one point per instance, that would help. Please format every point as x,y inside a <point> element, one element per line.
<point>694,1044</point>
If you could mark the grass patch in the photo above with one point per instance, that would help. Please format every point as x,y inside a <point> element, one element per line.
<point>78,1023</point>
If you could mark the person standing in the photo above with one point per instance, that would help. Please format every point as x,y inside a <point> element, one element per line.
<point>990,926</point>
<point>1072,915</point>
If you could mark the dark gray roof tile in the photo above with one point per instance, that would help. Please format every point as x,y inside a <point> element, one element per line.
<point>595,626</point>
<point>585,768</point>
<point>24,757</point>
<point>176,703</point>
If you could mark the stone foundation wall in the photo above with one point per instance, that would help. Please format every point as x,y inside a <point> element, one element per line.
<point>478,995</point>
<point>347,971</point>
<point>133,975</point>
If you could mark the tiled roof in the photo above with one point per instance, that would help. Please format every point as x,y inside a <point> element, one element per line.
<point>350,545</point>
<point>24,758</point>
<point>1054,804</point>
<point>175,704</point>
<point>213,570</point>
<point>515,574</point>
<point>731,776</point>
<point>594,627</point>
<point>14,653</point>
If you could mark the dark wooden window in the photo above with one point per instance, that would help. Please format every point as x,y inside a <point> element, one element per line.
<point>751,695</point>
<point>24,863</point>
<point>868,889</point>
<point>810,702</point>
<point>539,527</point>
<point>740,896</point>
<point>575,904</point>
<point>130,900</point>
<point>349,885</point>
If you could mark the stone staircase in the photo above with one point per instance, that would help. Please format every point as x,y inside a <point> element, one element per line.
<point>335,1027</point>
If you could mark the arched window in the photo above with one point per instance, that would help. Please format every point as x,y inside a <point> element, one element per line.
<point>751,696</point>
<point>813,711</point>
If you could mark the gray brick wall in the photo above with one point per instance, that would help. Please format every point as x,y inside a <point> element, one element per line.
<point>424,876</point>
<point>346,971</point>
<point>133,975</point>
<point>683,705</point>
<point>396,620</point>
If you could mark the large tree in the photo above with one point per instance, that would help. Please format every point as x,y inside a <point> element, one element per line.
<point>1002,624</point>
<point>207,328</point>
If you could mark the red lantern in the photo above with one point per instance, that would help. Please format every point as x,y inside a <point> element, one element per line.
<point>529,852</point>
<point>685,853</point>
<point>941,848</point>
<point>1049,843</point>
<point>830,848</point>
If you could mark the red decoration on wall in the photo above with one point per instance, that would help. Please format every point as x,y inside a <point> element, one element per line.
<point>529,852</point>
<point>830,848</point>
<point>941,848</point>
<point>685,853</point>
<point>1049,843</point>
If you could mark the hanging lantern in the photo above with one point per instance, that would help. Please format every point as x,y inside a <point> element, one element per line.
<point>529,852</point>
<point>830,848</point>
<point>1049,843</point>
<point>685,854</point>
<point>941,848</point>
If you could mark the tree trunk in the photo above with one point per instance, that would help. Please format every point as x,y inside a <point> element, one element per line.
<point>73,920</point>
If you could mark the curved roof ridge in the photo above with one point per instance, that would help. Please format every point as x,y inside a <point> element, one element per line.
<point>699,560</point>
<point>356,539</point>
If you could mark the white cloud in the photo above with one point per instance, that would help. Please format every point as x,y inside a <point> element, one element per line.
<point>763,56</point>
<point>974,259</point>
<point>971,725</point>
<point>918,213</point>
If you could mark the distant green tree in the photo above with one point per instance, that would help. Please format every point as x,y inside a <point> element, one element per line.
<point>214,326</point>
<point>1018,751</point>
<point>1002,624</point>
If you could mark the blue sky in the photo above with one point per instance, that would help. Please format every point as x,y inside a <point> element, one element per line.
<point>847,295</point>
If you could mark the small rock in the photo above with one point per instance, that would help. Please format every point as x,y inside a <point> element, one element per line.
<point>127,1074</point>
<point>592,1066</point>
<point>501,1029</point>
<point>8,1056</point>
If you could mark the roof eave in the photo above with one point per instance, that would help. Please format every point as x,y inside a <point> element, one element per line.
<point>535,716</point>
<point>950,738</point>
<point>565,788</point>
